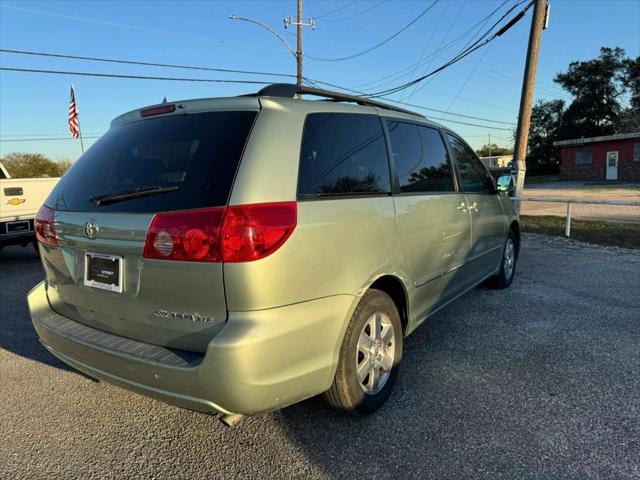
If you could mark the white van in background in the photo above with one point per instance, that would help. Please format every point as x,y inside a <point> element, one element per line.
<point>20,199</point>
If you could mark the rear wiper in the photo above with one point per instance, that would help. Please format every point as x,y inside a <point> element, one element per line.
<point>124,195</point>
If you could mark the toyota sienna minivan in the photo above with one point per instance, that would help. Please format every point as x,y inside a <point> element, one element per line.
<point>237,255</point>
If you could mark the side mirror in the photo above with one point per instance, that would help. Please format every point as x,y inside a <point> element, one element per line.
<point>505,183</point>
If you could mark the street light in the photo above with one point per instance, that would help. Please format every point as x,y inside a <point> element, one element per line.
<point>266,27</point>
<point>287,21</point>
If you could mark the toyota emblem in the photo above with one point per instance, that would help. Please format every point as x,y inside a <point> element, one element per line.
<point>91,229</point>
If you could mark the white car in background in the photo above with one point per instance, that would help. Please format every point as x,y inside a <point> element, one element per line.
<point>20,200</point>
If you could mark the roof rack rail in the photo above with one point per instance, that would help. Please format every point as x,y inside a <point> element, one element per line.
<point>290,90</point>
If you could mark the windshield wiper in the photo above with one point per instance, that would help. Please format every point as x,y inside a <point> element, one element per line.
<point>115,197</point>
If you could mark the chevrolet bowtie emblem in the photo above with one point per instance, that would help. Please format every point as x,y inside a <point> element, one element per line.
<point>16,201</point>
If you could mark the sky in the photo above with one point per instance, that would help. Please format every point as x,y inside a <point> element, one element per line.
<point>486,84</point>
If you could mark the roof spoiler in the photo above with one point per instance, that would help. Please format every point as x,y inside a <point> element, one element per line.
<point>290,90</point>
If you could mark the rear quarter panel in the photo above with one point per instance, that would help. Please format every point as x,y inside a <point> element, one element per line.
<point>338,247</point>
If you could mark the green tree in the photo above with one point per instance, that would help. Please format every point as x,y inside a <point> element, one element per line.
<point>493,150</point>
<point>598,87</point>
<point>33,165</point>
<point>606,100</point>
<point>546,122</point>
<point>629,119</point>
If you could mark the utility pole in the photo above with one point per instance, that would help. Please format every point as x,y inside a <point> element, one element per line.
<point>299,23</point>
<point>299,48</point>
<point>538,22</point>
<point>489,135</point>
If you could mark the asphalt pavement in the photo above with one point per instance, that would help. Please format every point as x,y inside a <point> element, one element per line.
<point>538,381</point>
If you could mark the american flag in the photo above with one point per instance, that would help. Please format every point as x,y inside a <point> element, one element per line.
<point>74,125</point>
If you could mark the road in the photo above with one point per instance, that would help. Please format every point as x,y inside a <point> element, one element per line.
<point>611,213</point>
<point>537,381</point>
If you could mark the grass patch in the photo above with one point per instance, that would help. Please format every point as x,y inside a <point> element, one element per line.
<point>540,179</point>
<point>626,235</point>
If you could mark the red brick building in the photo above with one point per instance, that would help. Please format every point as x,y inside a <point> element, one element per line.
<point>613,157</point>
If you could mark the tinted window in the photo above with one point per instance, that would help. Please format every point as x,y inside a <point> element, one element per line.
<point>584,156</point>
<point>420,158</point>
<point>475,178</point>
<point>343,154</point>
<point>198,153</point>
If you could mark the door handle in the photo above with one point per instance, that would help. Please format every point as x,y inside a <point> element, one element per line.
<point>474,207</point>
<point>462,207</point>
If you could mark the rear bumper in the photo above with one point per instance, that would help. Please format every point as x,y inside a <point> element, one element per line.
<point>17,239</point>
<point>20,237</point>
<point>261,360</point>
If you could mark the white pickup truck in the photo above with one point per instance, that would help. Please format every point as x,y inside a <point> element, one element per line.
<point>20,199</point>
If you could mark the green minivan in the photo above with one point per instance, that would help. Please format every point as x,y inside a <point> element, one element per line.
<point>237,255</point>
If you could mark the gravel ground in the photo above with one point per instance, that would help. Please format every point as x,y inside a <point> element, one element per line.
<point>537,381</point>
<point>616,213</point>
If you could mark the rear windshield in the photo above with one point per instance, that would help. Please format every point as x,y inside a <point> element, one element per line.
<point>197,153</point>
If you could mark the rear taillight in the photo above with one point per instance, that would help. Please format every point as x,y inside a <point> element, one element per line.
<point>251,232</point>
<point>233,234</point>
<point>189,236</point>
<point>45,227</point>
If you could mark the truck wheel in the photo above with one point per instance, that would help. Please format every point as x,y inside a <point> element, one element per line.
<point>507,265</point>
<point>369,357</point>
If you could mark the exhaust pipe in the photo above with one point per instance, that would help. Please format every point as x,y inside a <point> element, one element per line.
<point>231,420</point>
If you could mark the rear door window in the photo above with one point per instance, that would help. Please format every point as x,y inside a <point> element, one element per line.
<point>197,153</point>
<point>343,154</point>
<point>475,178</point>
<point>420,157</point>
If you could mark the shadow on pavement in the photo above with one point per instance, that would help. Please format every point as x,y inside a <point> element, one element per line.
<point>489,392</point>
<point>425,418</point>
<point>20,271</point>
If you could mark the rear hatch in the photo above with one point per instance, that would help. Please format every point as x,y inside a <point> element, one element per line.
<point>96,273</point>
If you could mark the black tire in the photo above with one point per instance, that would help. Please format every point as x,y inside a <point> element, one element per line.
<point>346,392</point>
<point>505,276</point>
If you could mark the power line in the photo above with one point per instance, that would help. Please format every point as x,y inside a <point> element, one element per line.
<point>478,44</point>
<point>335,10</point>
<point>403,71</point>
<point>464,84</point>
<point>503,76</point>
<point>139,62</point>
<point>150,64</point>
<point>135,77</point>
<point>488,127</point>
<point>357,14</point>
<point>357,92</point>
<point>41,139</point>
<point>378,45</point>
<point>428,42</point>
<point>449,113</point>
<point>127,26</point>
<point>468,49</point>
<point>42,135</point>
<point>453,22</point>
<point>141,77</point>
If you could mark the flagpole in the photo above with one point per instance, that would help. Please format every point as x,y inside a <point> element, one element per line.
<point>80,133</point>
<point>78,117</point>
